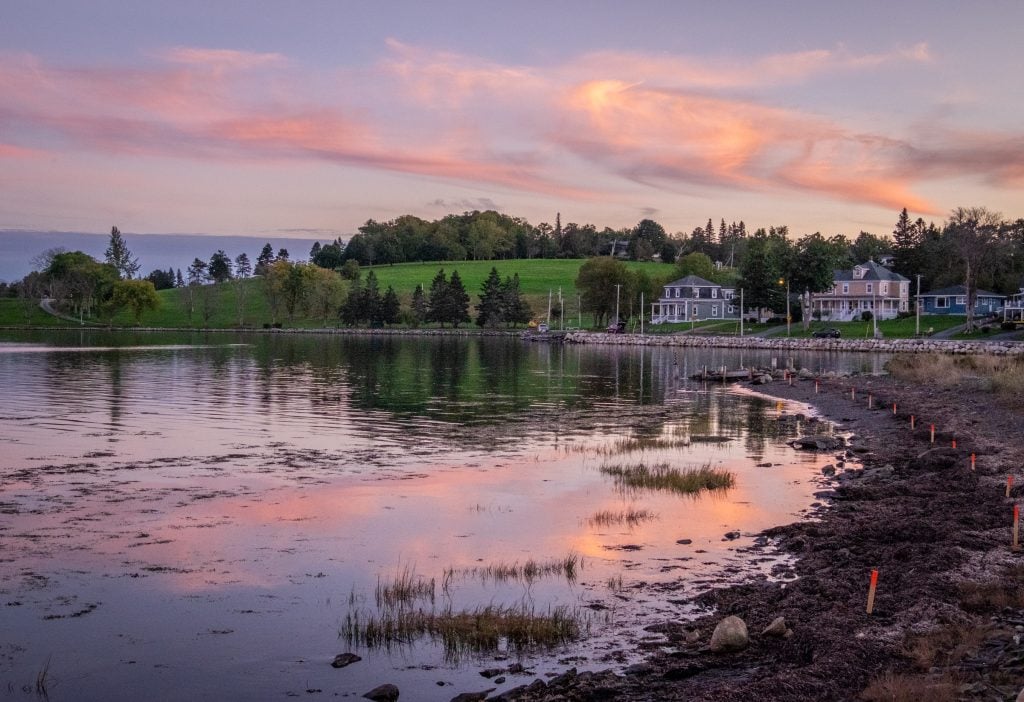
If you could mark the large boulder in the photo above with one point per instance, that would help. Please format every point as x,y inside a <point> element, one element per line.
<point>730,635</point>
<point>383,693</point>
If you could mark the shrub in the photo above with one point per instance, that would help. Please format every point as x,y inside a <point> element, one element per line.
<point>866,316</point>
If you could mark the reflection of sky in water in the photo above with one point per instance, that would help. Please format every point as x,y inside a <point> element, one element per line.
<point>190,492</point>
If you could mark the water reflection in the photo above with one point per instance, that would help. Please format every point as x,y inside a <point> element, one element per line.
<point>255,485</point>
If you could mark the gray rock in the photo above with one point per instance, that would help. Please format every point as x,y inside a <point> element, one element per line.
<point>828,470</point>
<point>473,696</point>
<point>684,542</point>
<point>776,628</point>
<point>383,693</point>
<point>343,659</point>
<point>818,443</point>
<point>491,672</point>
<point>731,536</point>
<point>730,635</point>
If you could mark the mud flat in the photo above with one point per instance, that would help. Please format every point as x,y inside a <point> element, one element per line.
<point>949,613</point>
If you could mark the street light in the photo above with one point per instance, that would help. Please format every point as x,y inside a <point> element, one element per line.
<point>788,316</point>
<point>618,289</point>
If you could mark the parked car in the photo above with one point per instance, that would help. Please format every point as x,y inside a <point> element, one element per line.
<point>830,333</point>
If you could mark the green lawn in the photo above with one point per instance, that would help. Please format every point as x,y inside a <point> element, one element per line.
<point>16,312</point>
<point>536,276</point>
<point>890,328</point>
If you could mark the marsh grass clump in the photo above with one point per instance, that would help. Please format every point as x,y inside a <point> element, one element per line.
<point>662,476</point>
<point>480,630</point>
<point>406,589</point>
<point>1001,375</point>
<point>629,517</point>
<point>528,572</point>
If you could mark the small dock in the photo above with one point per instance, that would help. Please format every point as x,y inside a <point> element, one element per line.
<point>548,337</point>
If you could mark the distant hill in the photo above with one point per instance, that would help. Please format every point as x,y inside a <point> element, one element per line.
<point>163,251</point>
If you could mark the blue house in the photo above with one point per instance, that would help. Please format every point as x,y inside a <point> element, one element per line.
<point>953,300</point>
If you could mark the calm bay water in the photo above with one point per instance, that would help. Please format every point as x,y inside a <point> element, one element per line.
<point>196,517</point>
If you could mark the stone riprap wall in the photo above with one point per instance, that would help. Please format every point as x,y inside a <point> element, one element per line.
<point>992,348</point>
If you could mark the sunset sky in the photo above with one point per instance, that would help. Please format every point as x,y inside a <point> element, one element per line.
<point>307,118</point>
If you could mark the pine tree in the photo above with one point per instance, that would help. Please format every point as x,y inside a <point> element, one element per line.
<point>419,306</point>
<point>371,303</point>
<point>907,240</point>
<point>179,282</point>
<point>390,307</point>
<point>491,308</point>
<point>438,298</point>
<point>282,254</point>
<point>219,269</point>
<point>516,309</point>
<point>458,301</point>
<point>243,269</point>
<point>120,257</point>
<point>264,260</point>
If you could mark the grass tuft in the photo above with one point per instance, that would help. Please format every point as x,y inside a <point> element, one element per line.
<point>630,517</point>
<point>528,572</point>
<point>662,476</point>
<point>406,589</point>
<point>477,631</point>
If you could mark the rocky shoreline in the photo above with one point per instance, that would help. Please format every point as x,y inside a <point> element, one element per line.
<point>948,619</point>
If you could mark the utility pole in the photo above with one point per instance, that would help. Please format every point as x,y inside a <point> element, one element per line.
<point>917,308</point>
<point>579,308</point>
<point>618,291</point>
<point>549,308</point>
<point>741,312</point>
<point>641,314</point>
<point>789,318</point>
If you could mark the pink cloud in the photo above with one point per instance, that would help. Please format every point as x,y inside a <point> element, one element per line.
<point>12,151</point>
<point>669,122</point>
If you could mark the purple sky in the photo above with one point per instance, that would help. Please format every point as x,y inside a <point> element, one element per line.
<point>305,119</point>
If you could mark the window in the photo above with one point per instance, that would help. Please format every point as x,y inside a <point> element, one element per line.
<point>869,288</point>
<point>961,299</point>
<point>846,288</point>
<point>732,309</point>
<point>883,288</point>
<point>727,294</point>
<point>714,292</point>
<point>714,310</point>
<point>942,302</point>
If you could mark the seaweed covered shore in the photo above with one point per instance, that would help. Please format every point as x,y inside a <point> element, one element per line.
<point>948,619</point>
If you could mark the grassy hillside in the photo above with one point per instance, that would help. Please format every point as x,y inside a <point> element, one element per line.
<point>536,278</point>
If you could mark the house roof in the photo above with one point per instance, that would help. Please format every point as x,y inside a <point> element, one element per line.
<point>873,271</point>
<point>693,281</point>
<point>954,290</point>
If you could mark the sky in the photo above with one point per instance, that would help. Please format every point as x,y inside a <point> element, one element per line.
<point>305,119</point>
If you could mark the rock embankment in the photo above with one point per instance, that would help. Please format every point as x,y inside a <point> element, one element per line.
<point>992,348</point>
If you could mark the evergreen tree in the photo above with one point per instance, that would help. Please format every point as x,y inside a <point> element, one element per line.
<point>436,305</point>
<point>390,307</point>
<point>419,306</point>
<point>282,254</point>
<point>491,308</point>
<point>197,272</point>
<point>243,269</point>
<point>458,301</point>
<point>120,257</point>
<point>314,251</point>
<point>516,309</point>
<point>219,269</point>
<point>351,309</point>
<point>264,260</point>
<point>179,282</point>
<point>906,248</point>
<point>371,307</point>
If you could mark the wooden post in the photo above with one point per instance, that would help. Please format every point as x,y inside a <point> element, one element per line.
<point>894,409</point>
<point>815,387</point>
<point>1009,484</point>
<point>1016,528</point>
<point>912,418</point>
<point>853,393</point>
<point>871,590</point>
<point>954,443</point>
<point>933,433</point>
<point>972,461</point>
<point>871,400</point>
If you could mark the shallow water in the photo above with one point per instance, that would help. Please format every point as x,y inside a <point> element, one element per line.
<point>195,517</point>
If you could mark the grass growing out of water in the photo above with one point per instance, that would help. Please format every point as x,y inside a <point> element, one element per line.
<point>630,517</point>
<point>527,572</point>
<point>405,589</point>
<point>662,476</point>
<point>480,630</point>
